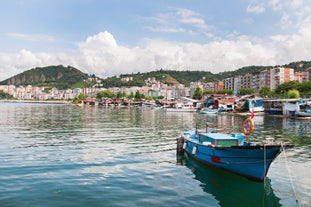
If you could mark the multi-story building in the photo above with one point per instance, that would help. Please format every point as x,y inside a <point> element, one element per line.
<point>229,83</point>
<point>255,81</point>
<point>247,81</point>
<point>218,85</point>
<point>237,83</point>
<point>264,78</point>
<point>301,76</point>
<point>280,75</point>
<point>309,76</point>
<point>209,86</point>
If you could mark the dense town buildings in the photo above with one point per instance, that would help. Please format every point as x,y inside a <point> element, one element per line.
<point>270,78</point>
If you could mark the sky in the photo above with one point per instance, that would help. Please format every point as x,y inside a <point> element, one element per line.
<point>113,37</point>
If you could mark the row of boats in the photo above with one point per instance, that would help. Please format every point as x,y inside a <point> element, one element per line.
<point>284,107</point>
<point>217,104</point>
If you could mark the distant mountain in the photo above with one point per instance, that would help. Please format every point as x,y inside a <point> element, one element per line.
<point>54,76</point>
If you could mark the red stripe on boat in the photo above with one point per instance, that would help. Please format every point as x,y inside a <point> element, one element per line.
<point>215,159</point>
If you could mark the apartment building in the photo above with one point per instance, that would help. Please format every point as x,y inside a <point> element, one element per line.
<point>301,76</point>
<point>218,85</point>
<point>309,76</point>
<point>280,75</point>
<point>229,83</point>
<point>247,81</point>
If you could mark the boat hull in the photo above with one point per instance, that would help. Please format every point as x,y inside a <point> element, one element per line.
<point>252,162</point>
<point>209,111</point>
<point>192,110</point>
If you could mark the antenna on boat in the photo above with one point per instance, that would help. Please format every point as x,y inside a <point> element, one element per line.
<point>206,125</point>
<point>197,125</point>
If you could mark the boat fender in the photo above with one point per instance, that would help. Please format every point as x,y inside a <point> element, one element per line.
<point>194,150</point>
<point>185,145</point>
<point>180,144</point>
<point>248,126</point>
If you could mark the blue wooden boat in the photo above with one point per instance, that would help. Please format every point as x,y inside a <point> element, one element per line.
<point>231,152</point>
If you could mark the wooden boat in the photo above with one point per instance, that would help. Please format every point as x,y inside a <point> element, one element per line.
<point>181,107</point>
<point>208,111</point>
<point>231,152</point>
<point>219,182</point>
<point>306,113</point>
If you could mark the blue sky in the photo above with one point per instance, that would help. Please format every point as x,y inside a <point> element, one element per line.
<point>109,37</point>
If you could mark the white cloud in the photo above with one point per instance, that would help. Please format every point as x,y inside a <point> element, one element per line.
<point>275,4</point>
<point>285,21</point>
<point>102,55</point>
<point>14,63</point>
<point>177,20</point>
<point>257,9</point>
<point>32,37</point>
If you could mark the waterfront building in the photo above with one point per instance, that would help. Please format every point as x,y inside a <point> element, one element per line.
<point>218,85</point>
<point>309,76</point>
<point>255,81</point>
<point>247,81</point>
<point>237,83</point>
<point>280,75</point>
<point>264,78</point>
<point>209,86</point>
<point>229,83</point>
<point>301,76</point>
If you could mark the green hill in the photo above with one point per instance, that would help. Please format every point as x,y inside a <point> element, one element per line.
<point>186,77</point>
<point>53,76</point>
<point>69,77</point>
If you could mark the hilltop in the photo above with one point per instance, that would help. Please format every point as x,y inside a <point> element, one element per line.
<point>52,76</point>
<point>69,77</point>
<point>186,77</point>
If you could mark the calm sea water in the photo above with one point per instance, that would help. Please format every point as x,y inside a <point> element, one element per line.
<point>59,155</point>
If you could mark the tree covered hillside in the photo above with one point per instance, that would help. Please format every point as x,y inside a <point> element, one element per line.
<point>54,76</point>
<point>186,77</point>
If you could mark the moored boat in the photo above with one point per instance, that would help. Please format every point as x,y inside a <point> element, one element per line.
<point>306,113</point>
<point>231,152</point>
<point>208,111</point>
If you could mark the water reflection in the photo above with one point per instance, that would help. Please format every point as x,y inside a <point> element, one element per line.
<point>230,189</point>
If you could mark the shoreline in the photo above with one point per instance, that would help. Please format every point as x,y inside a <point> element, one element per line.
<point>34,101</point>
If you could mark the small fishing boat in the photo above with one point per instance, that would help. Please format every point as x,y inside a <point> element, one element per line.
<point>306,113</point>
<point>231,152</point>
<point>208,111</point>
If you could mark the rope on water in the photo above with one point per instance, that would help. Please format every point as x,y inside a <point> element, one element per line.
<point>289,174</point>
<point>264,154</point>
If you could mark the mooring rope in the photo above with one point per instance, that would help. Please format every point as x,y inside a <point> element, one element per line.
<point>290,175</point>
<point>264,160</point>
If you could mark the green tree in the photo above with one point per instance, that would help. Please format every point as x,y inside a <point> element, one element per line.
<point>246,91</point>
<point>106,94</point>
<point>5,95</point>
<point>137,95</point>
<point>131,95</point>
<point>119,94</point>
<point>198,93</point>
<point>208,92</point>
<point>305,88</point>
<point>149,98</point>
<point>293,93</point>
<point>265,92</point>
<point>124,94</point>
<point>78,99</point>
<point>284,87</point>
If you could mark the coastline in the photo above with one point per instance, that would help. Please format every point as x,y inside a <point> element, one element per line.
<point>34,101</point>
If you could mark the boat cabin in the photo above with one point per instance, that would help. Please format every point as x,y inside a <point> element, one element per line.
<point>220,140</point>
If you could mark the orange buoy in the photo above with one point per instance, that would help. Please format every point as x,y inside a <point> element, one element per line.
<point>248,126</point>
